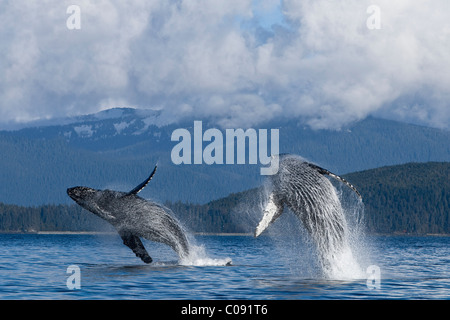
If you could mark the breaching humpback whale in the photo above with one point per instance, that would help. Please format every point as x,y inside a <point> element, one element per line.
<point>134,218</point>
<point>302,187</point>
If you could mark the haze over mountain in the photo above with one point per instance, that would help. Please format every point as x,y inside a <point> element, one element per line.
<point>118,148</point>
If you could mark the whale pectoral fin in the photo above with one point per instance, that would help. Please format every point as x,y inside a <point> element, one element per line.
<point>138,188</point>
<point>335,176</point>
<point>272,211</point>
<point>135,244</point>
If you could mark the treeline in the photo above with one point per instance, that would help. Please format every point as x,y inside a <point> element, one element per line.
<point>413,198</point>
<point>212,217</point>
<point>225,215</point>
<point>48,218</point>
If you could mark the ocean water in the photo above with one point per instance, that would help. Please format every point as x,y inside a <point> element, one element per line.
<point>37,266</point>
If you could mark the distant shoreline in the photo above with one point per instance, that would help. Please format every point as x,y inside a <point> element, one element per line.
<point>208,233</point>
<point>75,232</point>
<point>107,232</point>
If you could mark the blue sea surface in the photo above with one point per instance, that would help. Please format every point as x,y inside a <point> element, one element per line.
<point>35,266</point>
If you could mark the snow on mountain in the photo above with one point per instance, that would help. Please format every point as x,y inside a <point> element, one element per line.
<point>103,125</point>
<point>87,125</point>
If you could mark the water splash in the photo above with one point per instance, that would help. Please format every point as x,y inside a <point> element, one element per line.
<point>334,240</point>
<point>195,254</point>
<point>326,253</point>
<point>198,257</point>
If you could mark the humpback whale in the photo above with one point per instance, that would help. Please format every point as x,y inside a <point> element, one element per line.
<point>134,218</point>
<point>302,187</point>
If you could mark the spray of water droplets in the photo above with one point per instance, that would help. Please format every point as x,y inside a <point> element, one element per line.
<point>321,232</point>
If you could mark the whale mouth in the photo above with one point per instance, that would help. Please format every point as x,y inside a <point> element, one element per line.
<point>71,192</point>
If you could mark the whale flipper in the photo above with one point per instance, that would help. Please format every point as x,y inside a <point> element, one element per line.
<point>335,176</point>
<point>143,184</point>
<point>272,211</point>
<point>135,244</point>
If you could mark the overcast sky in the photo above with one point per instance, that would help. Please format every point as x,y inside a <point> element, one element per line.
<point>240,62</point>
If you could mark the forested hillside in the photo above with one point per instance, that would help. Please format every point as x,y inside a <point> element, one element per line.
<point>37,165</point>
<point>48,218</point>
<point>412,198</point>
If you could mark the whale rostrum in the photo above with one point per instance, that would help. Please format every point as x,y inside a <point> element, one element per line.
<point>134,218</point>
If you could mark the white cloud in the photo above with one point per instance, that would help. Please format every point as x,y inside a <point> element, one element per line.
<point>210,59</point>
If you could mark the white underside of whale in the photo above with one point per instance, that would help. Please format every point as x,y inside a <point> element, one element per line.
<point>271,213</point>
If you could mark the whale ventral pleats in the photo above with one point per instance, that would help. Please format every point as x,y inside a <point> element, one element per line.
<point>134,218</point>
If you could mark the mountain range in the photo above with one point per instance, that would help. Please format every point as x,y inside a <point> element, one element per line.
<point>118,148</point>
